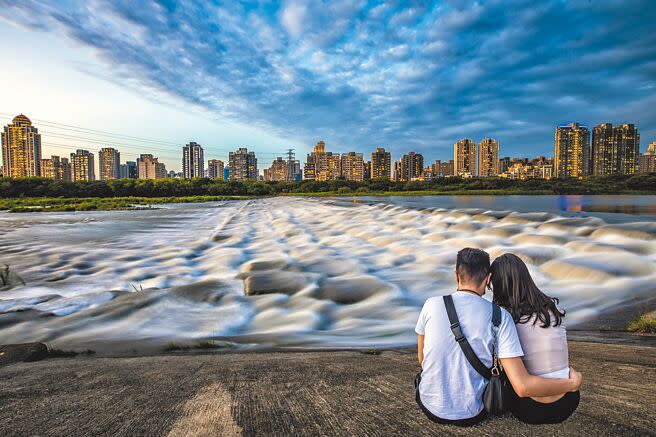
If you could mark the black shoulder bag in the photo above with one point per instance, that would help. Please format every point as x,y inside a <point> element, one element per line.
<point>497,395</point>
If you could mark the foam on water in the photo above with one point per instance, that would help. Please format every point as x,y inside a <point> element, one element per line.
<point>290,272</point>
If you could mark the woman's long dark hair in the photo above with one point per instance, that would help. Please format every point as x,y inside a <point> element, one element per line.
<point>515,290</point>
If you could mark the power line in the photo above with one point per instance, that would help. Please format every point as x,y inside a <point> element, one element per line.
<point>122,139</point>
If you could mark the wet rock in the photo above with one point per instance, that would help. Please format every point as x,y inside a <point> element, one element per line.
<point>352,289</point>
<point>524,239</point>
<point>527,217</point>
<point>640,231</point>
<point>255,265</point>
<point>465,226</point>
<point>202,291</point>
<point>274,281</point>
<point>24,352</point>
<point>597,267</point>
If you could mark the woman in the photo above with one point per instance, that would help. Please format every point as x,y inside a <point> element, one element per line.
<point>541,333</point>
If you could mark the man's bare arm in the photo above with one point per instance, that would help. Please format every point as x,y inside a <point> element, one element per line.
<point>420,349</point>
<point>527,385</point>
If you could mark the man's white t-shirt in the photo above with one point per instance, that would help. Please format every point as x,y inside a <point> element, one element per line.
<point>450,387</point>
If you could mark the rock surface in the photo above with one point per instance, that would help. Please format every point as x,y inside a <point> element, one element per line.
<point>311,393</point>
<point>27,352</point>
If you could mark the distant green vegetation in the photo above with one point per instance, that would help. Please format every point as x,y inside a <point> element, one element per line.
<point>646,324</point>
<point>199,344</point>
<point>58,204</point>
<point>177,190</point>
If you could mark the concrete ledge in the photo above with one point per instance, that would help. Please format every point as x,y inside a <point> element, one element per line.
<point>311,393</point>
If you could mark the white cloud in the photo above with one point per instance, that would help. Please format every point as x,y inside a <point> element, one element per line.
<point>293,17</point>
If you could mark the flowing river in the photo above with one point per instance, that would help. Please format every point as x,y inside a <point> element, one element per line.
<point>304,273</point>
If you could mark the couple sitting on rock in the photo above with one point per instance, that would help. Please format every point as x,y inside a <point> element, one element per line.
<point>458,342</point>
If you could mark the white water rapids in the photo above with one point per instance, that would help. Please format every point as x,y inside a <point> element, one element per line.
<point>289,271</point>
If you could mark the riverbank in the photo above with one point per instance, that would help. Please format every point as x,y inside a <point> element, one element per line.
<point>61,204</point>
<point>312,393</point>
<point>64,204</point>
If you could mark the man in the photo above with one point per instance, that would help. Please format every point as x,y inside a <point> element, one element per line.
<point>450,390</point>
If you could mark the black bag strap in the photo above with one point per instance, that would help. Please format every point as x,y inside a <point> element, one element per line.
<point>475,362</point>
<point>496,315</point>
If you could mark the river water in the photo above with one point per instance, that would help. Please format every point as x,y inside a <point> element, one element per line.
<point>297,272</point>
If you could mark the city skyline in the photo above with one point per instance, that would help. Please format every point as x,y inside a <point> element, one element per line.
<point>577,153</point>
<point>400,78</point>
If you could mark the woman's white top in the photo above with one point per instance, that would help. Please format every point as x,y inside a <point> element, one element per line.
<point>545,349</point>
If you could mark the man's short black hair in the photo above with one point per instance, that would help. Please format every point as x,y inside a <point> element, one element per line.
<point>472,265</point>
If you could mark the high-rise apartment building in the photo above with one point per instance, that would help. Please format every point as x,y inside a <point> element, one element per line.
<point>627,139</point>
<point>193,161</point>
<point>352,166</point>
<point>604,156</point>
<point>410,167</point>
<point>149,167</point>
<point>49,167</point>
<point>321,165</point>
<point>446,168</point>
<point>615,150</point>
<point>277,171</point>
<point>464,157</point>
<point>128,170</point>
<point>215,169</point>
<point>243,165</point>
<point>82,166</point>
<point>647,162</point>
<point>367,170</point>
<point>488,157</point>
<point>21,149</point>
<point>109,164</point>
<point>571,151</point>
<point>381,164</point>
<point>56,168</point>
<point>436,169</point>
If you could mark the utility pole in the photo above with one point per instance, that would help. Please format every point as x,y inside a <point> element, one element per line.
<point>291,158</point>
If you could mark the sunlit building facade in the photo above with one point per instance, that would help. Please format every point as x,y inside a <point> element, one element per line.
<point>193,161</point>
<point>411,167</point>
<point>615,150</point>
<point>572,151</point>
<point>56,168</point>
<point>149,167</point>
<point>352,166</point>
<point>243,165</point>
<point>488,158</point>
<point>109,164</point>
<point>21,149</point>
<point>277,171</point>
<point>523,168</point>
<point>464,158</point>
<point>215,169</point>
<point>381,164</point>
<point>627,139</point>
<point>321,165</point>
<point>647,162</point>
<point>82,166</point>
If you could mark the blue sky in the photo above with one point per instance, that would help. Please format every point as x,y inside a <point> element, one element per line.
<point>272,75</point>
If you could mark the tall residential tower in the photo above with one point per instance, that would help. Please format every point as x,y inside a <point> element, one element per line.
<point>381,164</point>
<point>243,165</point>
<point>571,151</point>
<point>488,157</point>
<point>109,164</point>
<point>21,149</point>
<point>82,166</point>
<point>464,158</point>
<point>615,150</point>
